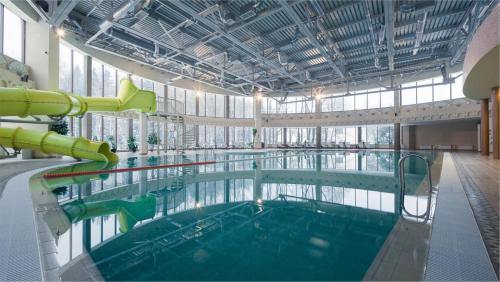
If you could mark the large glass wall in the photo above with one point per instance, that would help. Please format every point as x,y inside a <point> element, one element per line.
<point>240,107</point>
<point>291,105</point>
<point>431,90</point>
<point>13,34</point>
<point>370,134</point>
<point>273,136</point>
<point>106,81</point>
<point>211,136</point>
<point>301,136</point>
<point>240,137</point>
<point>71,80</point>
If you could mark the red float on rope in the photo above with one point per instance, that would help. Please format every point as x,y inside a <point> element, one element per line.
<point>68,174</point>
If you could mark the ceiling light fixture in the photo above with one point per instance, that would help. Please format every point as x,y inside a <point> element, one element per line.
<point>60,32</point>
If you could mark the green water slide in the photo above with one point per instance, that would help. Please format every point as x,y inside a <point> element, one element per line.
<point>127,212</point>
<point>24,102</point>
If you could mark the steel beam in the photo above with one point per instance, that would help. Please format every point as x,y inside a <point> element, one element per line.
<point>389,31</point>
<point>304,30</point>
<point>185,8</point>
<point>62,11</point>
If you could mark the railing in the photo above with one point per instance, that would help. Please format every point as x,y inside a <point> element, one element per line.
<point>402,183</point>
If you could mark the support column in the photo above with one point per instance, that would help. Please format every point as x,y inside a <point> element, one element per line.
<point>317,116</point>
<point>495,116</point>
<point>412,137</point>
<point>87,118</point>
<point>226,115</point>
<point>257,109</point>
<point>317,187</point>
<point>86,226</point>
<point>284,137</point>
<point>257,181</point>
<point>197,127</point>
<point>165,124</point>
<point>360,134</point>
<point>397,136</point>
<point>143,132</point>
<point>485,127</point>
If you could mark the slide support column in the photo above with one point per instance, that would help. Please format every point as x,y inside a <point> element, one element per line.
<point>495,115</point>
<point>143,132</point>
<point>485,127</point>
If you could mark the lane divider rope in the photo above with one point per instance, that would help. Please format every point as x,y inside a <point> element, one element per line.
<point>68,174</point>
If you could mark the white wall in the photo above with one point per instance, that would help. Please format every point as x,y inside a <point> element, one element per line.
<point>460,132</point>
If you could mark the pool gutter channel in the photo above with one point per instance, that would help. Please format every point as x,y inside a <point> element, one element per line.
<point>457,250</point>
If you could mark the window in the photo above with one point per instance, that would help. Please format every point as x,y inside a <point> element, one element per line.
<point>210,103</point>
<point>385,134</point>
<point>65,80</point>
<point>122,133</point>
<point>97,86</point>
<point>109,129</point>
<point>248,107</point>
<point>13,32</point>
<point>456,88</point>
<point>408,96</point>
<point>441,92</point>
<point>373,99</point>
<point>190,102</point>
<point>201,104</point>
<point>96,128</point>
<point>351,135</point>
<point>78,74</point>
<point>219,136</point>
<point>348,103</point>
<point>71,80</point>
<point>147,85</point>
<point>109,81</point>
<point>339,134</point>
<point>424,93</point>
<point>219,105</point>
<point>239,107</point>
<point>387,99</point>
<point>371,135</point>
<point>231,106</point>
<point>360,101</point>
<point>180,97</point>
<point>291,106</point>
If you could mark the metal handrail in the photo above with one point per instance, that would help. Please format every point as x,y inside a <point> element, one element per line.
<point>402,183</point>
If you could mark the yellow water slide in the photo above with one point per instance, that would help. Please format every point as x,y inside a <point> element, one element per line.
<point>24,102</point>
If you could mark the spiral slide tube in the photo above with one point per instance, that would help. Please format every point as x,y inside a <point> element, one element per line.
<point>128,212</point>
<point>51,142</point>
<point>24,102</point>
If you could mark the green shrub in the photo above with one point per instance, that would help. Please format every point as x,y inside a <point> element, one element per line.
<point>153,138</point>
<point>132,144</point>
<point>60,127</point>
<point>111,140</point>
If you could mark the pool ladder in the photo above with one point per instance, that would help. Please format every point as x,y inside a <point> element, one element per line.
<point>402,184</point>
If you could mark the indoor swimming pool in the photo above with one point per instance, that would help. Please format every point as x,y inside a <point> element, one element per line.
<point>278,215</point>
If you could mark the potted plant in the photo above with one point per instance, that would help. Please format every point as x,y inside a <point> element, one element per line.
<point>112,143</point>
<point>254,132</point>
<point>152,140</point>
<point>132,144</point>
<point>60,127</point>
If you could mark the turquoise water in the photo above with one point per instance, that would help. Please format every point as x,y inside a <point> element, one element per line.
<point>283,215</point>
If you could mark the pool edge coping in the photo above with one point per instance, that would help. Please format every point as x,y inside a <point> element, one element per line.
<point>444,262</point>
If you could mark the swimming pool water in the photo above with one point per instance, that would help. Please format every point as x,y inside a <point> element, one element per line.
<point>282,215</point>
